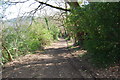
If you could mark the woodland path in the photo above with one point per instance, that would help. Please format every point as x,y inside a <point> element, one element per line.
<point>55,62</point>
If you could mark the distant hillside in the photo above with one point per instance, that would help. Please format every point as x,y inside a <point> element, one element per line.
<point>18,21</point>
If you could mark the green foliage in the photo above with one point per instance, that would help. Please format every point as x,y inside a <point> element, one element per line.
<point>100,22</point>
<point>55,32</point>
<point>23,40</point>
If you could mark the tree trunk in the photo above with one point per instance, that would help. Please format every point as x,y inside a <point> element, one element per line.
<point>78,37</point>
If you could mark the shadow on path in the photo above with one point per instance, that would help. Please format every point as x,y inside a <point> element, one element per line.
<point>55,62</point>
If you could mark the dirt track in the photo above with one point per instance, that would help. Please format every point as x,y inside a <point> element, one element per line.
<point>55,62</point>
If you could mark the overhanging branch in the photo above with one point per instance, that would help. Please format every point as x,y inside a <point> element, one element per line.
<point>53,6</point>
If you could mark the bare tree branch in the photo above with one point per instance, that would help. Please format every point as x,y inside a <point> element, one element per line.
<point>14,3</point>
<point>53,6</point>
